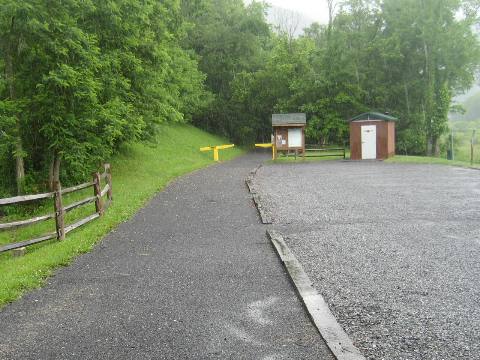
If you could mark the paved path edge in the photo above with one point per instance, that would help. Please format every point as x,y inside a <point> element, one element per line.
<point>266,220</point>
<point>332,332</point>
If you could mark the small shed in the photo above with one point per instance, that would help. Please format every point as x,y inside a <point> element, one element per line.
<point>372,136</point>
<point>289,132</point>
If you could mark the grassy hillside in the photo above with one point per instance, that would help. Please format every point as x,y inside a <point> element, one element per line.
<point>139,171</point>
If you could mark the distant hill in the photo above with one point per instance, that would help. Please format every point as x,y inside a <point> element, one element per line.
<point>464,97</point>
<point>471,103</point>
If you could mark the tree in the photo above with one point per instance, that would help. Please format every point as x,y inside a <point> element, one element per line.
<point>15,29</point>
<point>440,55</point>
<point>105,73</point>
<point>229,39</point>
<point>287,22</point>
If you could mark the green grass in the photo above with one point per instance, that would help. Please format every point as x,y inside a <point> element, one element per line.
<point>430,160</point>
<point>462,153</point>
<point>139,171</point>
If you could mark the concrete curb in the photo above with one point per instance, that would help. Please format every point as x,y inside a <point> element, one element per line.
<point>256,198</point>
<point>337,340</point>
<point>266,220</point>
<point>250,177</point>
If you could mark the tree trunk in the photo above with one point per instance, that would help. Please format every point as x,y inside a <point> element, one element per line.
<point>429,146</point>
<point>50,174</point>
<point>407,100</point>
<point>357,75</point>
<point>18,152</point>
<point>427,104</point>
<point>19,164</point>
<point>428,139</point>
<point>436,147</point>
<point>331,10</point>
<point>57,159</point>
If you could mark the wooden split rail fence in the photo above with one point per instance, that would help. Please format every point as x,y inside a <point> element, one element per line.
<point>61,230</point>
<point>319,151</point>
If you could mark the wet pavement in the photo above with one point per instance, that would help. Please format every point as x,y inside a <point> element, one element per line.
<point>190,276</point>
<point>393,248</point>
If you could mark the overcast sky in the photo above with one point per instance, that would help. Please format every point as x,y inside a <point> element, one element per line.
<point>314,9</point>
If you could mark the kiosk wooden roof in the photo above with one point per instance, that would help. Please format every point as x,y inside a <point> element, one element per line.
<point>296,119</point>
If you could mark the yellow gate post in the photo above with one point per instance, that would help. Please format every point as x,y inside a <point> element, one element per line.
<point>215,149</point>
<point>267,146</point>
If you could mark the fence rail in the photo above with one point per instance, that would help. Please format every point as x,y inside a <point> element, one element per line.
<point>318,151</point>
<point>26,198</point>
<point>59,210</point>
<point>324,152</point>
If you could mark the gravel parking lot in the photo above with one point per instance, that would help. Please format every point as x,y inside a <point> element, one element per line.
<point>393,248</point>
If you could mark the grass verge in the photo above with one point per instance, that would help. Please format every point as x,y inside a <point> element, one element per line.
<point>430,160</point>
<point>395,159</point>
<point>139,171</point>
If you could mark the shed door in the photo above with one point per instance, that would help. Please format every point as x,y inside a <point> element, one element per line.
<point>294,137</point>
<point>369,142</point>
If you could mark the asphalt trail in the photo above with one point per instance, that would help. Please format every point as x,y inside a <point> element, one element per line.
<point>191,276</point>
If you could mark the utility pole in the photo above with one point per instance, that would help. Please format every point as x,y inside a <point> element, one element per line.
<point>451,144</point>
<point>472,143</point>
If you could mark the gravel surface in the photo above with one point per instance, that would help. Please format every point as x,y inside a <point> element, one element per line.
<point>393,248</point>
<point>191,276</point>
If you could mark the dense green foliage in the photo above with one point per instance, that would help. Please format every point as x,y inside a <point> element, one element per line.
<point>81,78</point>
<point>405,57</point>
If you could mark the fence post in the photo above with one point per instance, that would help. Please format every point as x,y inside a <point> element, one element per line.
<point>59,212</point>
<point>98,193</point>
<point>108,170</point>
